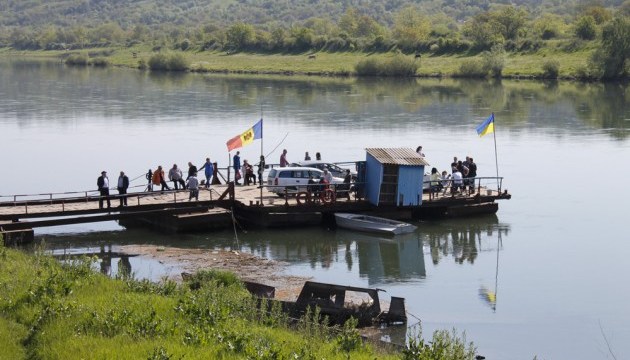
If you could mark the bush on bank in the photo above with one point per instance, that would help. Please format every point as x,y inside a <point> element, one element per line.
<point>398,65</point>
<point>53,310</point>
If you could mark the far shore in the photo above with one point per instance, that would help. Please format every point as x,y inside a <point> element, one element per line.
<point>517,65</point>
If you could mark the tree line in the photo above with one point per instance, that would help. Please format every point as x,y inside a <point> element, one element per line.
<point>410,29</point>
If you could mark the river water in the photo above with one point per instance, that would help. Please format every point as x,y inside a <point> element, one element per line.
<point>555,255</point>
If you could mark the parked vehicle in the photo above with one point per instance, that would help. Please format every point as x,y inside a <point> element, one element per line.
<point>334,169</point>
<point>294,179</point>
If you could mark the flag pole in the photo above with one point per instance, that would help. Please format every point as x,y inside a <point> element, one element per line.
<point>262,138</point>
<point>496,158</point>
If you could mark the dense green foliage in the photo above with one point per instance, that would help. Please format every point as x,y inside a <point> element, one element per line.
<point>435,27</point>
<point>51,310</point>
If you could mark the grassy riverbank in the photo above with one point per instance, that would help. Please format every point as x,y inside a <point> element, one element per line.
<point>50,310</point>
<point>571,63</point>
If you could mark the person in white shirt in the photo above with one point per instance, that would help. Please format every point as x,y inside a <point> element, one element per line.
<point>123,185</point>
<point>103,187</point>
<point>327,176</point>
<point>193,186</point>
<point>176,176</point>
<point>458,181</point>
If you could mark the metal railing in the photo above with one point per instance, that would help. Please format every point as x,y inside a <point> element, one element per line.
<point>469,186</point>
<point>86,196</point>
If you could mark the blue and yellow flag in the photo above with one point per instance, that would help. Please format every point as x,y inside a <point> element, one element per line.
<point>246,138</point>
<point>487,126</point>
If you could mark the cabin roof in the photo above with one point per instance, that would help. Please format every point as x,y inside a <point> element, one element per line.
<point>397,156</point>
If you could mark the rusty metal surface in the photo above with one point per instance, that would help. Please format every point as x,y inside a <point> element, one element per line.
<point>397,156</point>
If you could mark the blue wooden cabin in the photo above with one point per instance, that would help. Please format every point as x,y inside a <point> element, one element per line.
<point>394,176</point>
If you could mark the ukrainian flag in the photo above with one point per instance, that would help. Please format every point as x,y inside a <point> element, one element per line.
<point>246,138</point>
<point>487,126</point>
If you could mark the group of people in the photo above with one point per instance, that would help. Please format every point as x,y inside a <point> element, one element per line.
<point>176,175</point>
<point>462,177</point>
<point>284,162</point>
<point>157,178</point>
<point>103,188</point>
<point>246,170</point>
<point>315,188</point>
<point>307,157</point>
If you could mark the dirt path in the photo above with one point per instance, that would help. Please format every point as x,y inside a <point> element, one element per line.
<point>247,266</point>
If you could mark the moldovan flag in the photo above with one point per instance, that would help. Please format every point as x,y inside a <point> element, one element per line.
<point>246,138</point>
<point>487,126</point>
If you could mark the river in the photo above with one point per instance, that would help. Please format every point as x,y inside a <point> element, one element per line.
<point>556,254</point>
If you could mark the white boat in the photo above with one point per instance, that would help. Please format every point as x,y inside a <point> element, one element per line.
<point>372,224</point>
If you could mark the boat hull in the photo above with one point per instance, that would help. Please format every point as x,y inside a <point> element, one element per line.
<point>372,224</point>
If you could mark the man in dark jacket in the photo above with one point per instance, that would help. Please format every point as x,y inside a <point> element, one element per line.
<point>103,187</point>
<point>123,184</point>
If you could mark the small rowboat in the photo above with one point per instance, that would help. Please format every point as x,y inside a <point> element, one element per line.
<point>372,224</point>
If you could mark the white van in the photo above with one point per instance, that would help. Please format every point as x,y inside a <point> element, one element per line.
<point>334,169</point>
<point>294,179</point>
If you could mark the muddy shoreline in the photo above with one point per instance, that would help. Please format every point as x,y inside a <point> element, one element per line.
<point>247,266</point>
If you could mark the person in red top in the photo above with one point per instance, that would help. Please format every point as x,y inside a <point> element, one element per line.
<point>158,178</point>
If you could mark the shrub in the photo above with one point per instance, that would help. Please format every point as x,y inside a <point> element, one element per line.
<point>205,277</point>
<point>444,346</point>
<point>177,62</point>
<point>184,45</point>
<point>100,61</point>
<point>78,59</point>
<point>494,60</point>
<point>434,48</point>
<point>472,68</point>
<point>172,62</point>
<point>400,65</point>
<point>368,67</point>
<point>551,69</point>
<point>586,28</point>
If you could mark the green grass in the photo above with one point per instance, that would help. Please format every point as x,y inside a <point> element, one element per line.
<point>54,311</point>
<point>572,58</point>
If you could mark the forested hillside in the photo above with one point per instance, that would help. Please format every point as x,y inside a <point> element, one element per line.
<point>600,28</point>
<point>222,12</point>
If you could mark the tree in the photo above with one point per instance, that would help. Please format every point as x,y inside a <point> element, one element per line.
<point>360,26</point>
<point>509,21</point>
<point>549,26</point>
<point>411,27</point>
<point>481,31</point>
<point>240,35</point>
<point>586,28</point>
<point>612,57</point>
<point>109,32</point>
<point>599,14</point>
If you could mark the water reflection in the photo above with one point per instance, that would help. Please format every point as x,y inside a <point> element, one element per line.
<point>378,259</point>
<point>51,90</point>
<point>462,240</point>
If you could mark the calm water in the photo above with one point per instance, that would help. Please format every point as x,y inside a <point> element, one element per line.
<point>556,254</point>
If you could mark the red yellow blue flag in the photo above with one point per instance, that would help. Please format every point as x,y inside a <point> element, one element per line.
<point>246,138</point>
<point>487,126</point>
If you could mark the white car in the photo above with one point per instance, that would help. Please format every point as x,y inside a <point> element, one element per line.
<point>294,179</point>
<point>334,169</point>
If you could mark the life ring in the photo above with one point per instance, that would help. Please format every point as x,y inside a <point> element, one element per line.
<point>328,196</point>
<point>302,197</point>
